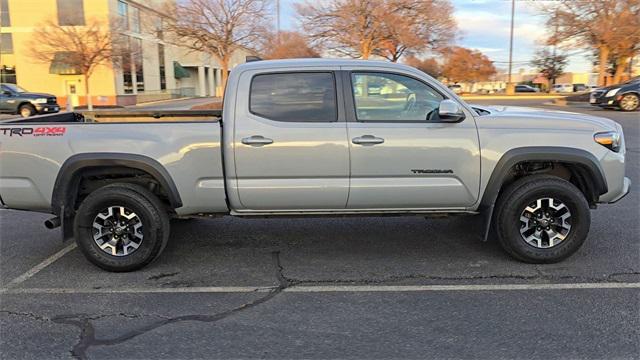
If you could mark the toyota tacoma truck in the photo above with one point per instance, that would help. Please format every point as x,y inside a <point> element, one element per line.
<point>309,138</point>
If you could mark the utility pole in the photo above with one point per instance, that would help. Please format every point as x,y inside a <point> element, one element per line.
<point>278,20</point>
<point>510,87</point>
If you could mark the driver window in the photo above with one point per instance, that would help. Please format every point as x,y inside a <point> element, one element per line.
<point>392,97</point>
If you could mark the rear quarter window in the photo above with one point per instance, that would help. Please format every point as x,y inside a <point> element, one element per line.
<point>294,97</point>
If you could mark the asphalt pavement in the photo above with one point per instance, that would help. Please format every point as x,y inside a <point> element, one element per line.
<point>381,287</point>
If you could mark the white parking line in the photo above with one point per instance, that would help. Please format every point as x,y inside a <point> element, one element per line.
<point>46,262</point>
<point>329,289</point>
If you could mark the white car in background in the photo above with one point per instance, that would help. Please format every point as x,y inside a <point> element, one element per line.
<point>562,88</point>
<point>456,88</point>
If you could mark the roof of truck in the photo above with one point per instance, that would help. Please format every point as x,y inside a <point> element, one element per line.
<point>317,62</point>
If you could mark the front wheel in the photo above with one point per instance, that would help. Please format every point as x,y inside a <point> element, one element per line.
<point>26,110</point>
<point>630,102</point>
<point>542,219</point>
<point>121,227</point>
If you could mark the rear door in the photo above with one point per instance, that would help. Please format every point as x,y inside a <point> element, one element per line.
<point>402,157</point>
<point>290,140</point>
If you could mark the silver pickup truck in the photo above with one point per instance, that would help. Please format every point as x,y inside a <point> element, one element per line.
<point>315,138</point>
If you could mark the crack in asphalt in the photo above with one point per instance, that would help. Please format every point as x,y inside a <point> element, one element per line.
<point>88,338</point>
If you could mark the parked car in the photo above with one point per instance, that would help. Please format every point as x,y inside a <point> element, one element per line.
<point>316,148</point>
<point>16,100</point>
<point>562,88</point>
<point>526,89</point>
<point>580,87</point>
<point>456,88</point>
<point>625,96</point>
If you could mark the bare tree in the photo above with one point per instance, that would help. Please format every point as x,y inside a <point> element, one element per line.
<point>601,24</point>
<point>550,64</point>
<point>287,45</point>
<point>352,28</point>
<point>463,64</point>
<point>82,48</point>
<point>387,28</point>
<point>218,27</point>
<point>417,25</point>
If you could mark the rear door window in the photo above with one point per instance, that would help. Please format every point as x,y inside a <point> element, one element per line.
<point>294,97</point>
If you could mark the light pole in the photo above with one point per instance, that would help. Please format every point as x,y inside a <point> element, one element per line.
<point>510,86</point>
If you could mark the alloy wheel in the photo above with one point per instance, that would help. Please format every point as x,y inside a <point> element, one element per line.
<point>545,223</point>
<point>117,231</point>
<point>629,102</point>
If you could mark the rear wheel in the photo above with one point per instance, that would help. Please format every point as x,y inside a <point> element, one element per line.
<point>542,219</point>
<point>27,110</point>
<point>630,102</point>
<point>121,227</point>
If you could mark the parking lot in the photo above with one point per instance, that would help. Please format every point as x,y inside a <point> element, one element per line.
<point>375,287</point>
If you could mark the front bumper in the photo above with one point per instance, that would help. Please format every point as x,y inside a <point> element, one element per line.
<point>47,108</point>
<point>625,190</point>
<point>604,102</point>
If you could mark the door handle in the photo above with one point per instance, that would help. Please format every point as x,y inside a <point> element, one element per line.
<point>257,140</point>
<point>367,140</point>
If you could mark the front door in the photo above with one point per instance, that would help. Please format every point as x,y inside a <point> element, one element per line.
<point>290,142</point>
<point>402,157</point>
<point>71,89</point>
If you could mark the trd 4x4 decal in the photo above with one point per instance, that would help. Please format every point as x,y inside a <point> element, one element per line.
<point>39,131</point>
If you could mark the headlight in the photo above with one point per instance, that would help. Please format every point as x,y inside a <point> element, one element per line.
<point>612,92</point>
<point>39,101</point>
<point>609,139</point>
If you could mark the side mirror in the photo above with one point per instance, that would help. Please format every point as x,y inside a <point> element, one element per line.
<point>450,111</point>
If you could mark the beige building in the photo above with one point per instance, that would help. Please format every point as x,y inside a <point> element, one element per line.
<point>154,70</point>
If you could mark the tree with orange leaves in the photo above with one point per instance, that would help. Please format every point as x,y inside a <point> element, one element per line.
<point>287,45</point>
<point>463,64</point>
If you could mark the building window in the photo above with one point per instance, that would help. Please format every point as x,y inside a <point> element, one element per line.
<point>6,43</point>
<point>135,20</point>
<point>163,74</point>
<point>123,12</point>
<point>8,74</point>
<point>5,19</point>
<point>136,53</point>
<point>127,73</point>
<point>159,27</point>
<point>70,13</point>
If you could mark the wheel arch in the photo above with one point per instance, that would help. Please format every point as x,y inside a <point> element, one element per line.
<point>584,167</point>
<point>69,176</point>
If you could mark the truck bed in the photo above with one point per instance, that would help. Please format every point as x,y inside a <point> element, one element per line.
<point>184,144</point>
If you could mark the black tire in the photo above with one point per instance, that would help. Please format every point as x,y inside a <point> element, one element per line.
<point>26,110</point>
<point>523,192</point>
<point>152,214</point>
<point>632,100</point>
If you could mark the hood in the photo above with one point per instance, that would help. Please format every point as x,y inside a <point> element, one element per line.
<point>536,118</point>
<point>32,95</point>
<point>623,86</point>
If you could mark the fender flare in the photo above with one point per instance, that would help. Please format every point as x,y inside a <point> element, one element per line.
<point>538,153</point>
<point>64,184</point>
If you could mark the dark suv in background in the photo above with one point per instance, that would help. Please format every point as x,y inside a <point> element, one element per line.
<point>625,96</point>
<point>16,100</point>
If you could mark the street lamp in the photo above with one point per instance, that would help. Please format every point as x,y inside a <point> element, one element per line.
<point>510,85</point>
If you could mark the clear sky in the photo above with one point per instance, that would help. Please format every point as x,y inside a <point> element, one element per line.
<point>484,25</point>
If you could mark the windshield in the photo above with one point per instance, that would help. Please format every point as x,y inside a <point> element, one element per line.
<point>14,88</point>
